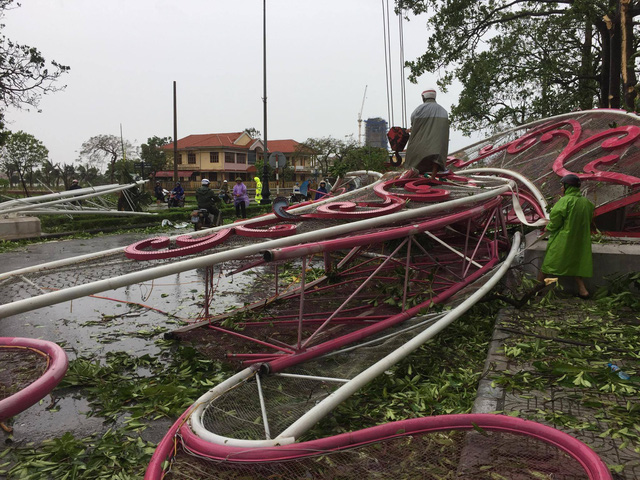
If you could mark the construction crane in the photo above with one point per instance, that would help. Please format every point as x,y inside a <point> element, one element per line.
<point>360,116</point>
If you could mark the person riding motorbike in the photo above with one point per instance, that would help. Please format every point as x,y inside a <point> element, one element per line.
<point>177,195</point>
<point>207,199</point>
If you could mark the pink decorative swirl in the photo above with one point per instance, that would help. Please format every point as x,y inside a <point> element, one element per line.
<point>613,138</point>
<point>420,190</point>
<point>357,211</point>
<point>137,250</point>
<point>272,231</point>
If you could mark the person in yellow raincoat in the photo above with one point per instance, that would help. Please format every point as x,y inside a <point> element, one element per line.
<point>569,247</point>
<point>258,189</point>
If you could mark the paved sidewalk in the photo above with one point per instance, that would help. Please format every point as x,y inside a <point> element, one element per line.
<point>583,411</point>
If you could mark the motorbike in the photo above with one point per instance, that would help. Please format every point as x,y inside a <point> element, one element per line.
<point>175,201</point>
<point>201,218</point>
<point>297,198</point>
<point>225,197</point>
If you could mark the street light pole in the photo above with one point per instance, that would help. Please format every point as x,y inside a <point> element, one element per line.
<point>266,193</point>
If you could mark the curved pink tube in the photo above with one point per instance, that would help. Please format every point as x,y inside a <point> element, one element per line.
<point>588,459</point>
<point>33,393</point>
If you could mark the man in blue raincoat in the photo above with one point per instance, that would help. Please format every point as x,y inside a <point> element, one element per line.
<point>569,247</point>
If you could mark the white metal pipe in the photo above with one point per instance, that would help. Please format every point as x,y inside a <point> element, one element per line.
<point>105,253</point>
<point>518,176</point>
<point>358,173</point>
<point>57,195</point>
<point>91,288</point>
<point>195,418</point>
<point>311,417</point>
<point>112,213</point>
<point>306,421</point>
<point>69,199</point>
<point>312,377</point>
<point>263,408</point>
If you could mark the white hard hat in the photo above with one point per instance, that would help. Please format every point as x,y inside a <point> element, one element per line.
<point>429,93</point>
<point>205,181</point>
<point>226,181</point>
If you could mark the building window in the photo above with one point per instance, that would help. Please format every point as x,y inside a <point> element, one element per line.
<point>213,157</point>
<point>229,158</point>
<point>179,159</point>
<point>191,158</point>
<point>241,158</point>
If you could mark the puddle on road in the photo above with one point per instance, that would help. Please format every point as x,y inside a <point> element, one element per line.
<point>113,321</point>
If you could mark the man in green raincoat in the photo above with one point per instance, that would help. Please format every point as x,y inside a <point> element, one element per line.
<point>569,247</point>
<point>258,189</point>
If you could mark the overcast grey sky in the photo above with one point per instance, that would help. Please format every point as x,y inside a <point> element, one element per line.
<point>125,54</point>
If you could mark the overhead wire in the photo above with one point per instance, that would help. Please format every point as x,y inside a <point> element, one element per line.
<point>386,28</point>
<point>387,59</point>
<point>403,90</point>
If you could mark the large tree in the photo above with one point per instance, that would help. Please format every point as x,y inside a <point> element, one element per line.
<point>107,147</point>
<point>152,155</point>
<point>22,154</point>
<point>519,60</point>
<point>361,158</point>
<point>325,151</point>
<point>25,75</point>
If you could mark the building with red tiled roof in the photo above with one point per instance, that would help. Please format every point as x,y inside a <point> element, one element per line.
<point>225,156</point>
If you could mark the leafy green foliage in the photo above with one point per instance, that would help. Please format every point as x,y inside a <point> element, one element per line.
<point>360,158</point>
<point>572,361</point>
<point>521,61</point>
<point>137,390</point>
<point>439,378</point>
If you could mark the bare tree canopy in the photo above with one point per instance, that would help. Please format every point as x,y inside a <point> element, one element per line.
<point>110,148</point>
<point>522,60</point>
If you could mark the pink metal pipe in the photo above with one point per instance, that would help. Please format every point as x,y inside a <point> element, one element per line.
<point>316,351</point>
<point>377,237</point>
<point>353,295</point>
<point>254,340</point>
<point>34,392</point>
<point>588,459</point>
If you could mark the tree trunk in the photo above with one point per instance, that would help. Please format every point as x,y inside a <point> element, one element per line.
<point>22,181</point>
<point>606,63</point>
<point>628,73</point>
<point>613,25</point>
<point>586,67</point>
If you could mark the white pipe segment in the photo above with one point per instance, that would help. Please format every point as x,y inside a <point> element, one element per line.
<point>51,196</point>
<point>358,173</point>
<point>195,417</point>
<point>84,211</point>
<point>321,409</point>
<point>90,256</point>
<point>517,206</point>
<point>91,288</point>
<point>71,198</point>
<point>518,176</point>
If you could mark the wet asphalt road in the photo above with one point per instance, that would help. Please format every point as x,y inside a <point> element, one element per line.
<point>85,327</point>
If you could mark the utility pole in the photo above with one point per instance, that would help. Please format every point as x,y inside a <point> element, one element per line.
<point>360,116</point>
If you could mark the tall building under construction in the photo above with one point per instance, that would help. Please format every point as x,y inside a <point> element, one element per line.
<point>376,133</point>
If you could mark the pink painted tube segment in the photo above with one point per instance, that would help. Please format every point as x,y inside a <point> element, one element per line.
<point>297,251</point>
<point>33,393</point>
<point>330,345</point>
<point>593,466</point>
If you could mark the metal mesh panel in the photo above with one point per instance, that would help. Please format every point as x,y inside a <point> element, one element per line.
<point>19,367</point>
<point>536,161</point>
<point>437,455</point>
<point>286,399</point>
